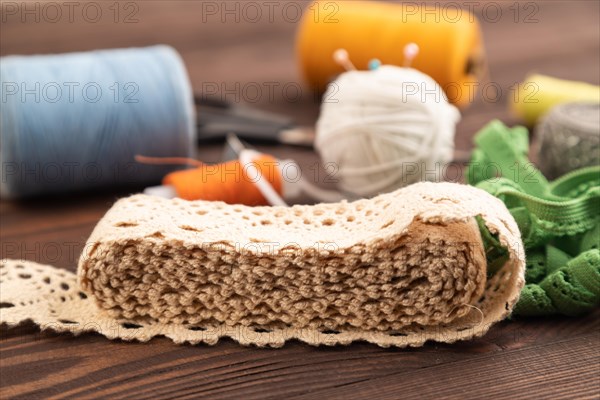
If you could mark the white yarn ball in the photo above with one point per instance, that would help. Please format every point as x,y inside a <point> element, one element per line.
<point>385,129</point>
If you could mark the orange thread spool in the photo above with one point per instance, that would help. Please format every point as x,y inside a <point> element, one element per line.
<point>450,42</point>
<point>229,182</point>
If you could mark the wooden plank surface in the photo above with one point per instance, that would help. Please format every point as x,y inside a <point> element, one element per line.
<point>539,357</point>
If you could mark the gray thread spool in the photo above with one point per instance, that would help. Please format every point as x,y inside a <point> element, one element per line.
<point>569,137</point>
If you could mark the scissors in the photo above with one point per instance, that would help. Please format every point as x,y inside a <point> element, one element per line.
<point>217,118</point>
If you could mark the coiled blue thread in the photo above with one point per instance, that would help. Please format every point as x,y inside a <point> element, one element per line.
<point>75,121</point>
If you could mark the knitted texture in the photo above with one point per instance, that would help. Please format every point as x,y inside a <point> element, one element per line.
<point>399,269</point>
<point>428,275</point>
<point>559,222</point>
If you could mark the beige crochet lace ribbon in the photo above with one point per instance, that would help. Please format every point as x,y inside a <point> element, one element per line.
<point>396,270</point>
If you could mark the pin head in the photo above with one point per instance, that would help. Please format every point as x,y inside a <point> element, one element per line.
<point>340,56</point>
<point>411,50</point>
<point>374,64</point>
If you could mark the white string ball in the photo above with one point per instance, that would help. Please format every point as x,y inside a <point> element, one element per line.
<point>385,129</point>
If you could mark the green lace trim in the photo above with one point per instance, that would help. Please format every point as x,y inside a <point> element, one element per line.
<point>559,222</point>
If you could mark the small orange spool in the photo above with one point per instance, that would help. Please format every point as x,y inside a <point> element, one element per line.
<point>229,182</point>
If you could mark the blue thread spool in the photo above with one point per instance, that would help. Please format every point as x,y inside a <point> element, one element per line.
<point>75,121</point>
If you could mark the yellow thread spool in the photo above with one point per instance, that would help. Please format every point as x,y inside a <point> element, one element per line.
<point>536,95</point>
<point>449,39</point>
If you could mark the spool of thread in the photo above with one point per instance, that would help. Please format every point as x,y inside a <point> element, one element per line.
<point>569,137</point>
<point>75,121</point>
<point>537,94</point>
<point>384,129</point>
<point>255,179</point>
<point>230,182</point>
<point>451,49</point>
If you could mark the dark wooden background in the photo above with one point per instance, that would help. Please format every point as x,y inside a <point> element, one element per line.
<point>538,357</point>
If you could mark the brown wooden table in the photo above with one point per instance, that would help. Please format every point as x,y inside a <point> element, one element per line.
<point>538,357</point>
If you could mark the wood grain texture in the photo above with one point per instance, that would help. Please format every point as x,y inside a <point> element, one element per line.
<point>541,357</point>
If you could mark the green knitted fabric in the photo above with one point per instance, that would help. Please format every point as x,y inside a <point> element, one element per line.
<point>559,222</point>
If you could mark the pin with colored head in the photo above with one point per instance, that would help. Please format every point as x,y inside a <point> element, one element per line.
<point>411,51</point>
<point>340,56</point>
<point>374,64</point>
